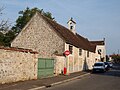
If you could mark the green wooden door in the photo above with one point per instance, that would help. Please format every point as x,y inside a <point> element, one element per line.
<point>45,67</point>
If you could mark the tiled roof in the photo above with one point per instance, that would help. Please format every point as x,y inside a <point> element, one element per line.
<point>85,44</point>
<point>69,36</point>
<point>98,42</point>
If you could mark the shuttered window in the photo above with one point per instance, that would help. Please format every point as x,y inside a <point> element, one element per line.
<point>80,51</point>
<point>71,49</point>
<point>87,53</point>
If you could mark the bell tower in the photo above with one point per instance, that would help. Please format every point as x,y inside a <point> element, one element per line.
<point>71,25</point>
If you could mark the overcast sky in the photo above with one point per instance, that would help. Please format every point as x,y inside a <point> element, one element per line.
<point>96,19</point>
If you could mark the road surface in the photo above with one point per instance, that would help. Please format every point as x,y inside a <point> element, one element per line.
<point>109,80</point>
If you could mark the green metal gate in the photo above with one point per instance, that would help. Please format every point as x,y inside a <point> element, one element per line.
<point>45,67</point>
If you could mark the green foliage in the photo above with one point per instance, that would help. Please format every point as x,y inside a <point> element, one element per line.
<point>1,39</point>
<point>26,15</point>
<point>116,58</point>
<point>9,36</point>
<point>5,39</point>
<point>6,35</point>
<point>48,14</point>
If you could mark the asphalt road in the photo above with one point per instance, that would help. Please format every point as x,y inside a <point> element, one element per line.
<point>109,80</point>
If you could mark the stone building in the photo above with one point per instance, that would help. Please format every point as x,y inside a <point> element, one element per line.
<point>51,39</point>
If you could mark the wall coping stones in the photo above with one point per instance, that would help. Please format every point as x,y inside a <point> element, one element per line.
<point>19,49</point>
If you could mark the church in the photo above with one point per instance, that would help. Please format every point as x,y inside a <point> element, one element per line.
<point>51,40</point>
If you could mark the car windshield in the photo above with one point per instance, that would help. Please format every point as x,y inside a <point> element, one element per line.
<point>109,62</point>
<point>106,63</point>
<point>98,64</point>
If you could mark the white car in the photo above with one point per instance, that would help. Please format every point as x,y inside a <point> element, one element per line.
<point>111,65</point>
<point>107,66</point>
<point>99,67</point>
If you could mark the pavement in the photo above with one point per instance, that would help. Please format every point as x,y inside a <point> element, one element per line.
<point>42,83</point>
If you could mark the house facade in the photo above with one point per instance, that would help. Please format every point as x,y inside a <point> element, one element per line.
<point>39,35</point>
<point>100,50</point>
<point>51,40</point>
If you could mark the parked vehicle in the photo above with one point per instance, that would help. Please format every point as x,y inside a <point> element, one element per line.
<point>111,65</point>
<point>107,65</point>
<point>99,67</point>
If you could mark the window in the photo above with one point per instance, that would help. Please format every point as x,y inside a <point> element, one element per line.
<point>71,27</point>
<point>70,49</point>
<point>80,51</point>
<point>99,51</point>
<point>87,53</point>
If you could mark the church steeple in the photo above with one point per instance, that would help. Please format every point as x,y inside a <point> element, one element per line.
<point>71,25</point>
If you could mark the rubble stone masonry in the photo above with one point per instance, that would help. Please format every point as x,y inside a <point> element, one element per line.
<point>39,36</point>
<point>17,65</point>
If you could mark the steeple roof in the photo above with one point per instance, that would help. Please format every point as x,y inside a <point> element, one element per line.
<point>71,19</point>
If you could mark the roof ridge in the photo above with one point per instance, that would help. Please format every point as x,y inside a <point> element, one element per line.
<point>70,38</point>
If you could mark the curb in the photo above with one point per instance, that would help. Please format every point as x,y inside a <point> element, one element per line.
<point>60,82</point>
<point>41,87</point>
<point>69,79</point>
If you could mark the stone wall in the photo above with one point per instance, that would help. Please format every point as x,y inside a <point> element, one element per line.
<point>17,65</point>
<point>60,63</point>
<point>39,36</point>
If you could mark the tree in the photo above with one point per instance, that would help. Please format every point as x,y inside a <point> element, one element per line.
<point>8,38</point>
<point>1,39</point>
<point>26,15</point>
<point>4,26</point>
<point>7,35</point>
<point>116,58</point>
